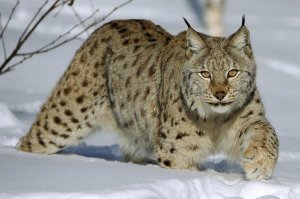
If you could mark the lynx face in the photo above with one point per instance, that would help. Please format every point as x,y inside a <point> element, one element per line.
<point>219,76</point>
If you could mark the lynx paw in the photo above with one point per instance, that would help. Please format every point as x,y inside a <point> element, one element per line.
<point>258,163</point>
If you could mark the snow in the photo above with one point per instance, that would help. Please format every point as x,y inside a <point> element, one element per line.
<point>7,118</point>
<point>94,168</point>
<point>288,68</point>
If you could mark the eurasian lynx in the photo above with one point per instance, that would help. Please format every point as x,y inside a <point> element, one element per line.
<point>172,99</point>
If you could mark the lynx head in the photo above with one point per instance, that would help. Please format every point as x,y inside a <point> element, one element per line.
<point>219,74</point>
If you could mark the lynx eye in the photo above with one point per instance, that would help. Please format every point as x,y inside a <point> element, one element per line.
<point>232,73</point>
<point>205,74</point>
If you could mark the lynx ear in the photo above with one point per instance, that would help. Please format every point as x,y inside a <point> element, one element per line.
<point>241,37</point>
<point>195,41</point>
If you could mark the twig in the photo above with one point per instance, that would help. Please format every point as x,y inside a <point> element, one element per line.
<point>116,8</point>
<point>33,19</point>
<point>44,49</point>
<point>24,36</point>
<point>11,67</point>
<point>71,2</point>
<point>2,38</point>
<point>79,19</point>
<point>9,18</point>
<point>57,42</point>
<point>58,12</point>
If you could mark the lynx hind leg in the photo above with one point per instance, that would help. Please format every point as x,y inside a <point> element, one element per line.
<point>58,126</point>
<point>56,129</point>
<point>74,108</point>
<point>52,132</point>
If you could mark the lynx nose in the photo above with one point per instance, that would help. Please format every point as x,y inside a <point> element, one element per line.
<point>220,95</point>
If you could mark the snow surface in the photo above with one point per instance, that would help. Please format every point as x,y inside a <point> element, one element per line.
<point>7,118</point>
<point>94,169</point>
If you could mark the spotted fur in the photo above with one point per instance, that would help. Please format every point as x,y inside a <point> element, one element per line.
<point>170,98</point>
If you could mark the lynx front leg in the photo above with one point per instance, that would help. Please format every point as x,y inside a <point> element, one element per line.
<point>182,150</point>
<point>260,151</point>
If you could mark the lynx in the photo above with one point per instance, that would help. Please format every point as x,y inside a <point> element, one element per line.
<point>173,100</point>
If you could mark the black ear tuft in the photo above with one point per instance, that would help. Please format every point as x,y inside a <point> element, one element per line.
<point>187,23</point>
<point>243,20</point>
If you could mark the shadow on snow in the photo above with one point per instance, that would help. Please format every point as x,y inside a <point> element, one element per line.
<point>114,153</point>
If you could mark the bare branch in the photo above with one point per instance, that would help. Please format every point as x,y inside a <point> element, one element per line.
<point>79,19</point>
<point>71,2</point>
<point>9,18</point>
<point>11,67</point>
<point>52,7</point>
<point>113,10</point>
<point>33,19</point>
<point>50,45</point>
<point>62,39</point>
<point>2,38</point>
<point>24,36</point>
<point>59,10</point>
